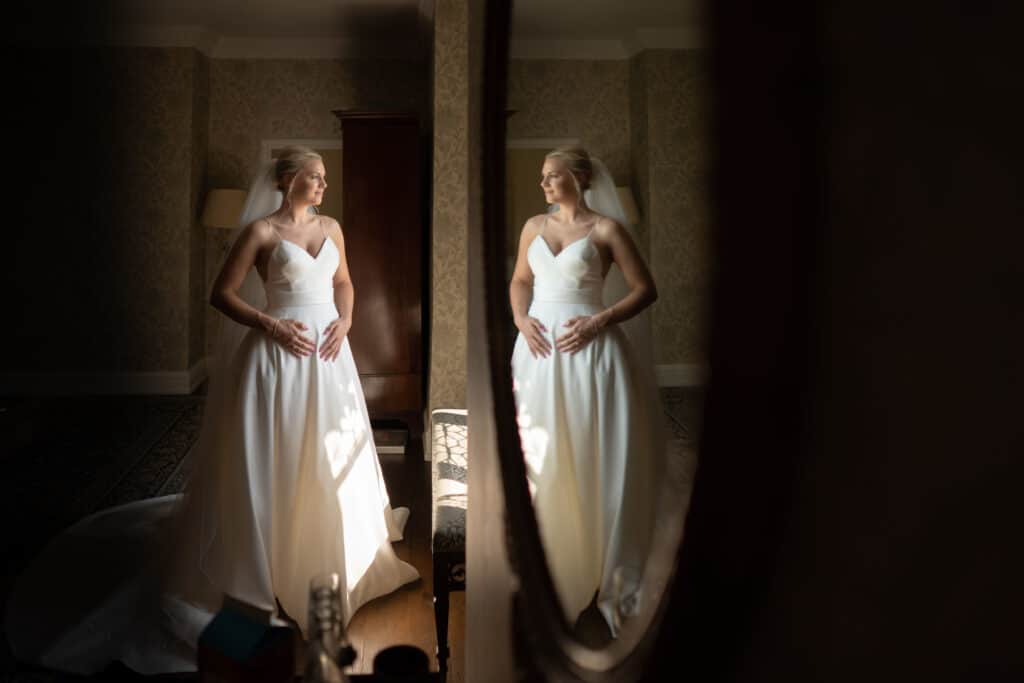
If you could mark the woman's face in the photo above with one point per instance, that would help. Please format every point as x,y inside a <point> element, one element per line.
<point>310,183</point>
<point>557,182</point>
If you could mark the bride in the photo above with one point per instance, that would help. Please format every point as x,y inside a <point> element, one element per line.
<point>286,481</point>
<point>585,392</point>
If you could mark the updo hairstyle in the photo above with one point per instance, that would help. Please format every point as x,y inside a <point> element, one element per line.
<point>577,160</point>
<point>289,162</point>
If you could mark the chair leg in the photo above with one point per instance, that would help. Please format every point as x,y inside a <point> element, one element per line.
<point>441,571</point>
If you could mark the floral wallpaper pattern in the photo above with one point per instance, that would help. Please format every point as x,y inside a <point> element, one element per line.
<point>122,142</point>
<point>677,203</point>
<point>197,233</point>
<point>574,98</point>
<point>152,181</point>
<point>640,153</point>
<point>257,99</point>
<point>451,203</point>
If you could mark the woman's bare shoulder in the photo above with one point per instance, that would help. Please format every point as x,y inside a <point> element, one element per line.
<point>607,228</point>
<point>331,225</point>
<point>533,224</point>
<point>259,232</point>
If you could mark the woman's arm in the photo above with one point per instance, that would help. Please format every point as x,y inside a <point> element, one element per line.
<point>224,296</point>
<point>520,294</point>
<point>242,257</point>
<point>642,290</point>
<point>344,296</point>
<point>344,292</point>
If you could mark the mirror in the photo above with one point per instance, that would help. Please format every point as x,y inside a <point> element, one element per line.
<point>608,428</point>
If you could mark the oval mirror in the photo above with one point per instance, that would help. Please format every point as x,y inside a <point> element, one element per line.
<point>605,254</point>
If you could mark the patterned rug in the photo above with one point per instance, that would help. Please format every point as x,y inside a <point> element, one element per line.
<point>64,458</point>
<point>73,456</point>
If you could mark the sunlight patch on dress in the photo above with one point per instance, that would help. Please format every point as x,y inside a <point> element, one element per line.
<point>361,541</point>
<point>534,441</point>
<point>349,454</point>
<point>343,442</point>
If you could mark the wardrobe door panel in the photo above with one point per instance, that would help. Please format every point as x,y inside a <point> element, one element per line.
<point>383,228</point>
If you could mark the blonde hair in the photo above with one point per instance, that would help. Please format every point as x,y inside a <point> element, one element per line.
<point>289,162</point>
<point>577,160</point>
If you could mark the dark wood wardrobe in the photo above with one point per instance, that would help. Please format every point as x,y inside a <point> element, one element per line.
<point>384,219</point>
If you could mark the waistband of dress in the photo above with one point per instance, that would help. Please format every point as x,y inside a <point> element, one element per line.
<point>567,296</point>
<point>284,299</point>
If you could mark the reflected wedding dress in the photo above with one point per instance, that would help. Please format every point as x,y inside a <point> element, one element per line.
<point>589,427</point>
<point>286,484</point>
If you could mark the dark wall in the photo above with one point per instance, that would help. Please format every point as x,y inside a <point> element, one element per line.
<point>57,173</point>
<point>856,511</point>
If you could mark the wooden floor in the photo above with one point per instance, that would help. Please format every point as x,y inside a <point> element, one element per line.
<point>406,617</point>
<point>403,617</point>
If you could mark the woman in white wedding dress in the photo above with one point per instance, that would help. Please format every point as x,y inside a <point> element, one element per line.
<point>286,481</point>
<point>585,394</point>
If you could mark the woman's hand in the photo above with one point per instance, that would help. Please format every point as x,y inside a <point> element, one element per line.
<point>582,329</point>
<point>288,333</point>
<point>533,331</point>
<point>334,334</point>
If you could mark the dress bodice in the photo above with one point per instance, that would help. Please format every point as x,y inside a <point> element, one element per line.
<point>294,277</point>
<point>573,275</point>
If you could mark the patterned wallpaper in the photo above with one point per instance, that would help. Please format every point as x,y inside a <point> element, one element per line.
<point>174,124</point>
<point>197,234</point>
<point>152,182</point>
<point>639,148</point>
<point>677,208</point>
<point>256,99</point>
<point>451,202</point>
<point>124,172</point>
<point>574,98</point>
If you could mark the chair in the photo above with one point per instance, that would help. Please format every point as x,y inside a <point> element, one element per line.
<point>449,461</point>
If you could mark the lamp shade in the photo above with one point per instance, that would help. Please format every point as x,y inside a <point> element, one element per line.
<point>223,208</point>
<point>628,205</point>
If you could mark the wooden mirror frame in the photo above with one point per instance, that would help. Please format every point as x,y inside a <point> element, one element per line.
<point>766,199</point>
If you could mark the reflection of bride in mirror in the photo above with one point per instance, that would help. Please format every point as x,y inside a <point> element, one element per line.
<point>585,392</point>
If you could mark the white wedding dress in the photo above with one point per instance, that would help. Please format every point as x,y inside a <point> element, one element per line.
<point>286,484</point>
<point>590,433</point>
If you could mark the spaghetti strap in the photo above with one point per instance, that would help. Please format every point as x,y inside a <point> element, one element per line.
<point>543,224</point>
<point>320,221</point>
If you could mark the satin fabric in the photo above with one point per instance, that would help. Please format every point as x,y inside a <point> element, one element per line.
<point>590,434</point>
<point>286,484</point>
